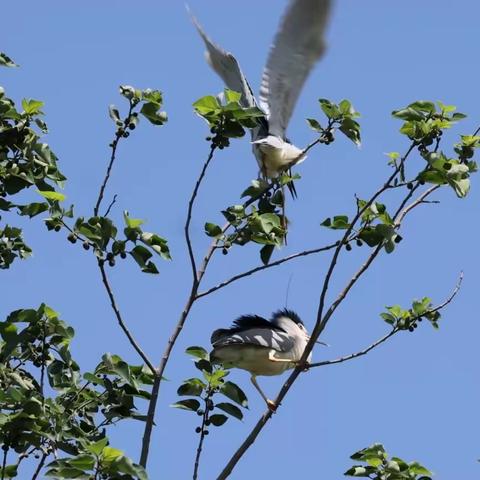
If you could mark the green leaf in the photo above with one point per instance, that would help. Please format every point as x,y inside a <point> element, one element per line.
<point>198,352</point>
<point>52,195</point>
<point>32,209</point>
<point>206,105</point>
<point>31,106</point>
<point>193,386</point>
<point>231,96</point>
<point>418,469</point>
<point>234,393</point>
<point>132,222</point>
<point>213,230</point>
<point>231,409</point>
<point>218,419</point>
<point>314,125</point>
<point>97,447</point>
<point>83,461</point>
<point>339,222</point>
<point>151,112</point>
<point>190,404</point>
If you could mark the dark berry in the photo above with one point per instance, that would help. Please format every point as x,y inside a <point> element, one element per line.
<point>200,412</point>
<point>359,242</point>
<point>207,422</point>
<point>398,239</point>
<point>205,432</point>
<point>57,228</point>
<point>409,185</point>
<point>111,262</point>
<point>348,247</point>
<point>410,329</point>
<point>198,430</point>
<point>123,255</point>
<point>72,238</point>
<point>86,245</point>
<point>224,251</point>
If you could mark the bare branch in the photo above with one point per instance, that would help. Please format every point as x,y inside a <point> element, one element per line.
<point>122,324</point>
<point>190,210</point>
<point>392,332</point>
<point>112,203</point>
<point>264,267</point>
<point>113,145</point>
<point>39,466</point>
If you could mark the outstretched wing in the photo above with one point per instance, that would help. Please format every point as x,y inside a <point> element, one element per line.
<point>227,67</point>
<point>298,44</point>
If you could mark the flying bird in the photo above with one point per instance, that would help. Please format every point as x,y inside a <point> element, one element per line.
<point>260,346</point>
<point>298,45</point>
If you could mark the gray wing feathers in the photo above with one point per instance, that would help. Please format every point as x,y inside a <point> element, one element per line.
<point>260,337</point>
<point>227,68</point>
<point>298,44</point>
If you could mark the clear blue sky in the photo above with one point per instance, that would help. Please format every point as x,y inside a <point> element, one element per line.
<point>418,394</point>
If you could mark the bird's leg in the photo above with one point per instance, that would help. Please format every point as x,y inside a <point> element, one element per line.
<point>270,404</point>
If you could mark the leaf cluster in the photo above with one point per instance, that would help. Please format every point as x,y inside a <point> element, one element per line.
<point>25,161</point>
<point>406,319</point>
<point>35,349</point>
<point>226,117</point>
<point>340,116</point>
<point>380,467</point>
<point>204,391</point>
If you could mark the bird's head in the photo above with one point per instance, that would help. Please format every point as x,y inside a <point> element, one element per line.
<point>289,321</point>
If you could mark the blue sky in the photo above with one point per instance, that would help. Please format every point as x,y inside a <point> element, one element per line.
<point>417,394</point>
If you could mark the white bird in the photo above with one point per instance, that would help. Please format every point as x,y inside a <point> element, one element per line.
<point>297,46</point>
<point>260,346</point>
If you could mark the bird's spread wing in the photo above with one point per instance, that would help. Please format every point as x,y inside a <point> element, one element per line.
<point>253,330</point>
<point>227,67</point>
<point>298,44</point>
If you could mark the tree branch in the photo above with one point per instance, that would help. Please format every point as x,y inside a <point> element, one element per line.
<point>264,267</point>
<point>122,324</point>
<point>114,144</point>
<point>190,210</point>
<point>39,466</point>
<point>392,332</point>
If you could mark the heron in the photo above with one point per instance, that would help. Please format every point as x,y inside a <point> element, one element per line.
<point>261,346</point>
<point>298,44</point>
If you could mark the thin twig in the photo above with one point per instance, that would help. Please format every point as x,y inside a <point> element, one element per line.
<point>190,210</point>
<point>112,203</point>
<point>205,416</point>
<point>264,267</point>
<point>114,144</point>
<point>122,324</point>
<point>40,466</point>
<point>4,463</point>
<point>392,332</point>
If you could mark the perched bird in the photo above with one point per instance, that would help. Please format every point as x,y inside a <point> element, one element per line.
<point>297,46</point>
<point>260,346</point>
